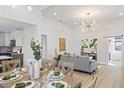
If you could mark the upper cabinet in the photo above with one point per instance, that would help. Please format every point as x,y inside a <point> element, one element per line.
<point>1,39</point>
<point>17,35</point>
<point>5,38</point>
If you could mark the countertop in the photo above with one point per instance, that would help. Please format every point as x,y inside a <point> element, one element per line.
<point>5,57</point>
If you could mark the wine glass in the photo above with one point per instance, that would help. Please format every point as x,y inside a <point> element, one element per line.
<point>45,80</point>
<point>17,70</point>
<point>32,76</point>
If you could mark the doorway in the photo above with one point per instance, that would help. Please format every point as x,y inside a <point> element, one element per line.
<point>115,51</point>
<point>44,45</point>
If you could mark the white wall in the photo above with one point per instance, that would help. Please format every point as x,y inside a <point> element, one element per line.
<point>104,29</point>
<point>27,35</point>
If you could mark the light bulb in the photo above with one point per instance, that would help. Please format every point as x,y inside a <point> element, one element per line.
<point>55,13</point>
<point>29,7</point>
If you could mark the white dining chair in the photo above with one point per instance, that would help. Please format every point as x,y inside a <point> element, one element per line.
<point>50,64</point>
<point>66,68</point>
<point>10,64</point>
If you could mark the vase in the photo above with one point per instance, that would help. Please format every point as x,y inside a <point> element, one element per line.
<point>31,69</point>
<point>36,69</point>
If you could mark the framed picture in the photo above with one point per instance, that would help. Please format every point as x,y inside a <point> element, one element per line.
<point>62,44</point>
<point>89,43</point>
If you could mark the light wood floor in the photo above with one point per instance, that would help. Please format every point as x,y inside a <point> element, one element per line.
<point>115,62</point>
<point>108,77</point>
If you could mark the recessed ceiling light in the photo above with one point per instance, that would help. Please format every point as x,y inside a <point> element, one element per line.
<point>75,23</point>
<point>55,13</point>
<point>29,7</point>
<point>120,13</point>
<point>13,6</point>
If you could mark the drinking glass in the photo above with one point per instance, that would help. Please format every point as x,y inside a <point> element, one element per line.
<point>45,79</point>
<point>16,71</point>
<point>32,76</point>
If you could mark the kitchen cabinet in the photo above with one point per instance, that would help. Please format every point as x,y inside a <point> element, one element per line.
<point>4,38</point>
<point>1,39</point>
<point>7,39</point>
<point>16,35</point>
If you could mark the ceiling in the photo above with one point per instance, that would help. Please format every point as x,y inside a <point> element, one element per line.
<point>8,25</point>
<point>41,7</point>
<point>69,14</point>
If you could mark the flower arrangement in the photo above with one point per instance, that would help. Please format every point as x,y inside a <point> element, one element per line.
<point>36,47</point>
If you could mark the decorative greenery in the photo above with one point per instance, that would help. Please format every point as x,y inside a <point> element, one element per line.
<point>85,43</point>
<point>36,47</point>
<point>93,43</point>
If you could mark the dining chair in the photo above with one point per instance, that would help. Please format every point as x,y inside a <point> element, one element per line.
<point>92,84</point>
<point>50,65</point>
<point>10,64</point>
<point>44,63</point>
<point>66,68</point>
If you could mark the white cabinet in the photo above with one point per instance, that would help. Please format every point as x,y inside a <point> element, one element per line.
<point>7,39</point>
<point>1,39</point>
<point>17,35</point>
<point>4,38</point>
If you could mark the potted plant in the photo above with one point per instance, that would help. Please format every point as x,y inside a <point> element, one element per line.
<point>36,48</point>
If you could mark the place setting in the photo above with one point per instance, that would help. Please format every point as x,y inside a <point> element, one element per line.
<point>11,76</point>
<point>54,79</point>
<point>29,83</point>
<point>56,75</point>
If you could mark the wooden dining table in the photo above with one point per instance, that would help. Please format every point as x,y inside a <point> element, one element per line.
<point>72,81</point>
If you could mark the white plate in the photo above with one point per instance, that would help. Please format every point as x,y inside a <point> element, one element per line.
<point>30,86</point>
<point>49,85</point>
<point>1,79</point>
<point>56,77</point>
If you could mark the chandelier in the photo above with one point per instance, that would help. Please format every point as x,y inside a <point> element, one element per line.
<point>88,24</point>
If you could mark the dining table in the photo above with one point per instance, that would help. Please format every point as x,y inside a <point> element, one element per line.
<point>74,82</point>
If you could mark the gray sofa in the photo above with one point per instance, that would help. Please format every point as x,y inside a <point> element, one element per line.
<point>81,63</point>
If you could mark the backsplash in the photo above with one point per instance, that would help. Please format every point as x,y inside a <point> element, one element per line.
<point>6,49</point>
<point>16,49</point>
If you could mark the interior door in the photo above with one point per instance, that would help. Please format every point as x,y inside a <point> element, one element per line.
<point>44,46</point>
